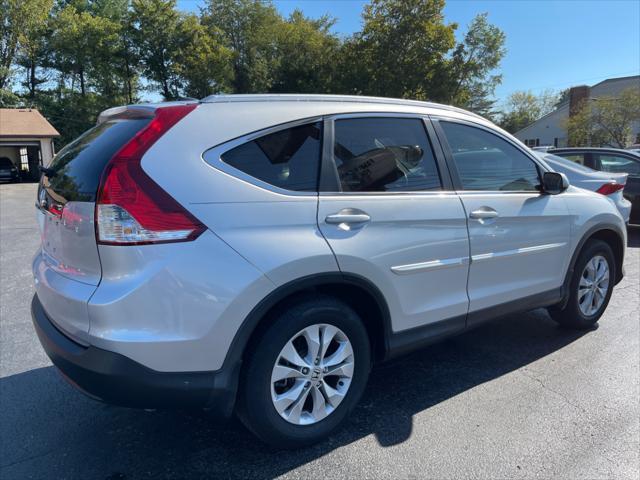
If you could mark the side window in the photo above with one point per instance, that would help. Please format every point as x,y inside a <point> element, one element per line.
<point>574,157</point>
<point>288,159</point>
<point>617,164</point>
<point>487,162</point>
<point>384,155</point>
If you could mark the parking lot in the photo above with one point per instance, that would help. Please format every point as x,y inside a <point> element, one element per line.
<point>516,398</point>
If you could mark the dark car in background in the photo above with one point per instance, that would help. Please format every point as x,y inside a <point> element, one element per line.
<point>611,160</point>
<point>8,171</point>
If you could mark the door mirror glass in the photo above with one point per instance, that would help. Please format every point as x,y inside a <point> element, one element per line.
<point>554,182</point>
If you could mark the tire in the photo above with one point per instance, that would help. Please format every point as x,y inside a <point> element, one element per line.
<point>572,315</point>
<point>256,404</point>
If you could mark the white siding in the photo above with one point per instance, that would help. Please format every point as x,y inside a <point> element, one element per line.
<point>552,126</point>
<point>548,128</point>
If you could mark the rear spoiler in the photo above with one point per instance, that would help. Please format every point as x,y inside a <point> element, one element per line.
<point>135,112</point>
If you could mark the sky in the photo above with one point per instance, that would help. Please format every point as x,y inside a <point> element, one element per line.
<point>551,44</point>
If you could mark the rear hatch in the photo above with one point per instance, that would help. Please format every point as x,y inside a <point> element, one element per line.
<point>67,268</point>
<point>67,195</point>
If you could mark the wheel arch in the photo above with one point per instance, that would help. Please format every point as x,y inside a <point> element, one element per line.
<point>609,234</point>
<point>356,291</point>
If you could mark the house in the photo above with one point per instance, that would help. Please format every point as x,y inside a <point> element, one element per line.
<point>551,129</point>
<point>26,138</point>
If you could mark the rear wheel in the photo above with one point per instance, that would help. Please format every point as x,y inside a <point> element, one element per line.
<point>306,373</point>
<point>590,288</point>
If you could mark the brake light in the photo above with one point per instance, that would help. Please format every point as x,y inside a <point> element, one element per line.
<point>609,188</point>
<point>132,209</point>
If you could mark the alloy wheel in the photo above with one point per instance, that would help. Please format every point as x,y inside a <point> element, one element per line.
<point>312,374</point>
<point>593,286</point>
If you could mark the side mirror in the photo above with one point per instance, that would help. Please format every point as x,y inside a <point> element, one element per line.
<point>554,182</point>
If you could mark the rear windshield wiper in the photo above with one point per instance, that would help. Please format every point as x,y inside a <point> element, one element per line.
<point>48,172</point>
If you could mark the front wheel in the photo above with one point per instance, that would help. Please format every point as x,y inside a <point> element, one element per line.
<point>590,287</point>
<point>306,373</point>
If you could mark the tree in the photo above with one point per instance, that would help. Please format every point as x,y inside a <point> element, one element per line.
<point>249,29</point>
<point>82,42</point>
<point>401,50</point>
<point>17,16</point>
<point>33,44</point>
<point>157,35</point>
<point>605,121</point>
<point>307,53</point>
<point>204,63</point>
<point>473,63</point>
<point>524,108</point>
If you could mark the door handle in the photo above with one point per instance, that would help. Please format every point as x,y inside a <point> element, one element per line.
<point>483,213</point>
<point>348,217</point>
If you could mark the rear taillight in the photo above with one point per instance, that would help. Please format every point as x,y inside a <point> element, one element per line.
<point>132,209</point>
<point>609,188</point>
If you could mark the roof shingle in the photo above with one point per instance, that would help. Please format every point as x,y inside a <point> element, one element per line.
<point>24,122</point>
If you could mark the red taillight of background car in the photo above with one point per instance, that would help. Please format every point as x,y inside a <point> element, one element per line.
<point>132,209</point>
<point>609,188</point>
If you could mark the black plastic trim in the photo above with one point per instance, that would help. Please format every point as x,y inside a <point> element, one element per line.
<point>240,341</point>
<point>116,379</point>
<point>406,341</point>
<point>538,300</point>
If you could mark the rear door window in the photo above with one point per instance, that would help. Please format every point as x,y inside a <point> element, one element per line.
<point>617,164</point>
<point>288,159</point>
<point>487,162</point>
<point>574,157</point>
<point>384,155</point>
<point>76,170</point>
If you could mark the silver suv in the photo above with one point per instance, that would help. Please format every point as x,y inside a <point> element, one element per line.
<point>258,254</point>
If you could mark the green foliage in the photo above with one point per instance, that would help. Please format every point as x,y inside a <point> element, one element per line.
<point>74,58</point>
<point>157,36</point>
<point>205,64</point>
<point>472,65</point>
<point>400,52</point>
<point>308,53</point>
<point>605,121</point>
<point>249,28</point>
<point>524,108</point>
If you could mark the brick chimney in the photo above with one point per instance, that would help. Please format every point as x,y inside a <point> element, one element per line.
<point>578,96</point>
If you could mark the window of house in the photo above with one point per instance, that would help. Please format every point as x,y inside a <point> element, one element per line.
<point>24,159</point>
<point>384,155</point>
<point>487,162</point>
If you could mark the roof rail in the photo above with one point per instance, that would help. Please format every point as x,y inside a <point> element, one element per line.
<point>292,97</point>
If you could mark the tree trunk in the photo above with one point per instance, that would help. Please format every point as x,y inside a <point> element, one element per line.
<point>82,86</point>
<point>32,79</point>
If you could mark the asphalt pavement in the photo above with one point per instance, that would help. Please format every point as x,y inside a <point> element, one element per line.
<point>516,398</point>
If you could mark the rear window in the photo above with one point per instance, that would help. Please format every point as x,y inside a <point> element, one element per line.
<point>5,162</point>
<point>565,162</point>
<point>77,168</point>
<point>288,159</point>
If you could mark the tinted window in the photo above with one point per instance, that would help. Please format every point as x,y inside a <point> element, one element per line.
<point>487,162</point>
<point>78,166</point>
<point>288,159</point>
<point>617,164</point>
<point>384,155</point>
<point>574,157</point>
<point>5,162</point>
<point>565,162</point>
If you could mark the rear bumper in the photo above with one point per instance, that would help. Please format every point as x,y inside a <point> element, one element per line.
<point>116,379</point>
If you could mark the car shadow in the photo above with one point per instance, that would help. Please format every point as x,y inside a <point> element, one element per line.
<point>53,431</point>
<point>633,236</point>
